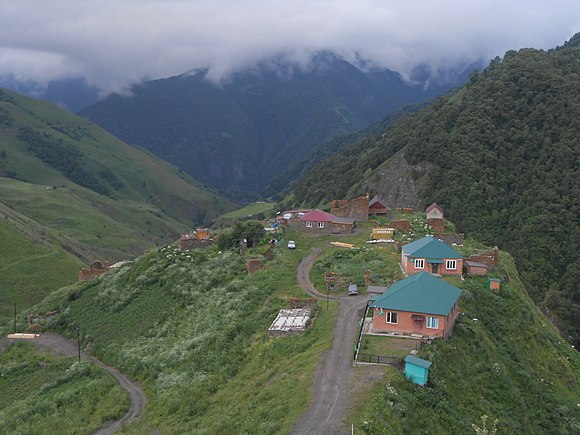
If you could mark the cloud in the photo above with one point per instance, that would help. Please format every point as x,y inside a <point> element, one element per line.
<point>114,43</point>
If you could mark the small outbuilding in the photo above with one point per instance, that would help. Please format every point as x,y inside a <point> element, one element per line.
<point>494,284</point>
<point>378,206</point>
<point>434,211</point>
<point>417,369</point>
<point>476,268</point>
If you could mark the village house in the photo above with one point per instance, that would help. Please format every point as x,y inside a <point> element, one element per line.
<point>420,305</point>
<point>318,221</point>
<point>434,211</point>
<point>475,268</point>
<point>430,255</point>
<point>378,206</point>
<point>357,209</point>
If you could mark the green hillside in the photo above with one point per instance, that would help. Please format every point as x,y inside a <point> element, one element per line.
<point>191,328</point>
<point>71,193</point>
<point>501,156</point>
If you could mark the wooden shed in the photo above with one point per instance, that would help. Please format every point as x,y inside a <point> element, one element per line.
<point>417,369</point>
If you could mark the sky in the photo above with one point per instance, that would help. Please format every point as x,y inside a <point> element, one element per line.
<point>115,43</point>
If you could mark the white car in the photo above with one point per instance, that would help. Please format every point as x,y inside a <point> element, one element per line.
<point>291,244</point>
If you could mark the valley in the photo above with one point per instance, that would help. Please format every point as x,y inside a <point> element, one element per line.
<point>478,290</point>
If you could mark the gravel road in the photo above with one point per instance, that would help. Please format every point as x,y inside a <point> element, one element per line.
<point>60,345</point>
<point>332,389</point>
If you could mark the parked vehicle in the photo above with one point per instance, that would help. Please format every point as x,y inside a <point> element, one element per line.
<point>352,290</point>
<point>291,244</point>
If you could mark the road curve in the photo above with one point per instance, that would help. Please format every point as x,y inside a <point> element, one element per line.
<point>332,395</point>
<point>60,345</point>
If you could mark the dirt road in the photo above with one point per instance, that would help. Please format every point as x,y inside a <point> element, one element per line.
<point>332,389</point>
<point>60,345</point>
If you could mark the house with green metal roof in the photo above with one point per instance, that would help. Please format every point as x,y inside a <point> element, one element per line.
<point>421,305</point>
<point>430,255</point>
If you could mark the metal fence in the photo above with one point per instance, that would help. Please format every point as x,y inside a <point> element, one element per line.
<point>379,359</point>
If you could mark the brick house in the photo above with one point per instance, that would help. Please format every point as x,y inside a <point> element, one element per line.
<point>378,206</point>
<point>434,211</point>
<point>430,255</point>
<point>318,221</point>
<point>357,209</point>
<point>420,305</point>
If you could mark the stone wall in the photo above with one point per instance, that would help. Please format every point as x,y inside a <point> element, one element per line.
<point>437,225</point>
<point>357,209</point>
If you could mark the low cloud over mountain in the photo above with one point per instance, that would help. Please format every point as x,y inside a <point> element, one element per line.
<point>113,44</point>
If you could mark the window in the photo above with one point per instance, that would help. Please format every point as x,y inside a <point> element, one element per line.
<point>419,263</point>
<point>320,224</point>
<point>308,224</point>
<point>451,264</point>
<point>392,317</point>
<point>433,322</point>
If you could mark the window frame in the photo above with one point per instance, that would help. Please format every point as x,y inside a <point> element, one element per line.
<point>430,320</point>
<point>389,317</point>
<point>321,225</point>
<point>420,261</point>
<point>449,262</point>
<point>308,224</point>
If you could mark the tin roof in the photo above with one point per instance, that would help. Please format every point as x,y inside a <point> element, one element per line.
<point>317,216</point>
<point>420,293</point>
<point>430,248</point>
<point>418,361</point>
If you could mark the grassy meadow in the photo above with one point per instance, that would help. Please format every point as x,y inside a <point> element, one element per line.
<point>29,272</point>
<point>193,324</point>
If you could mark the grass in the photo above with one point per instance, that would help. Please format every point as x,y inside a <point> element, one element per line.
<point>193,325</point>
<point>29,272</point>
<point>351,263</point>
<point>387,346</point>
<point>251,211</point>
<point>45,394</point>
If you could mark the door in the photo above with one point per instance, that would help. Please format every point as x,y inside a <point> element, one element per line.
<point>417,326</point>
<point>434,268</point>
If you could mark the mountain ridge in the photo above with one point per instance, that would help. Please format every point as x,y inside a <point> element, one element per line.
<point>240,134</point>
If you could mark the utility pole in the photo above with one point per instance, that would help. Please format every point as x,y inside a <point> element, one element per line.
<point>79,342</point>
<point>15,317</point>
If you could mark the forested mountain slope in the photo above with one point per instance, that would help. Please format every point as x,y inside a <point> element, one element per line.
<point>237,136</point>
<point>502,156</point>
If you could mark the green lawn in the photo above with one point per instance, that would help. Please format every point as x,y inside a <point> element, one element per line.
<point>388,346</point>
